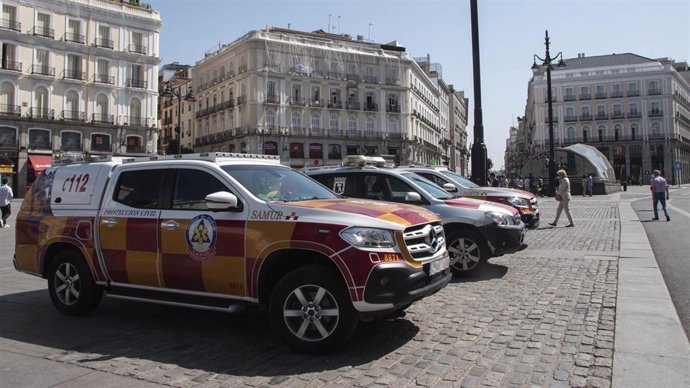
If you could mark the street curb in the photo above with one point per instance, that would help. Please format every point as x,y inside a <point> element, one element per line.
<point>650,348</point>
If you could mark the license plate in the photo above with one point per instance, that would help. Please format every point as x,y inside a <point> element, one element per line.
<point>437,266</point>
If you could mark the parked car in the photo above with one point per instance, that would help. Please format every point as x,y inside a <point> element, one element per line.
<point>523,201</point>
<point>475,230</point>
<point>219,231</point>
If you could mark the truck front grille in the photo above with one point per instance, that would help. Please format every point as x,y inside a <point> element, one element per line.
<point>423,241</point>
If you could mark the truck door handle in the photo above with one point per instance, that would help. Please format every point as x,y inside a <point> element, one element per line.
<point>170,225</point>
<point>109,222</point>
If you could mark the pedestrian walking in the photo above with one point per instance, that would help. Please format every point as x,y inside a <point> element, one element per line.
<point>659,188</point>
<point>5,198</point>
<point>493,182</point>
<point>563,191</point>
<point>527,183</point>
<point>584,185</point>
<point>590,185</point>
<point>520,183</point>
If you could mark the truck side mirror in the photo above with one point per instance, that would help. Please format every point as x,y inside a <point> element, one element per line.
<point>222,200</point>
<point>412,196</point>
<point>449,187</point>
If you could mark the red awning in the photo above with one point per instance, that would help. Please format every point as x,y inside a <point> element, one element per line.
<point>40,163</point>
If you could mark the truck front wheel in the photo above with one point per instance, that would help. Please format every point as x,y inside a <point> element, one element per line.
<point>71,285</point>
<point>310,308</point>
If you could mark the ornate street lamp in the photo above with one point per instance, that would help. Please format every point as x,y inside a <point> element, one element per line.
<point>173,93</point>
<point>547,61</point>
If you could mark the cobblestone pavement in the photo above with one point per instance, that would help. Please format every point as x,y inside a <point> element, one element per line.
<point>541,317</point>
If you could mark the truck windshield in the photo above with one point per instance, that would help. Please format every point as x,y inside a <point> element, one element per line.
<point>277,183</point>
<point>460,180</point>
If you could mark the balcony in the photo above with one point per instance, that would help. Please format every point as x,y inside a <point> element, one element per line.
<point>13,66</point>
<point>136,121</point>
<point>297,131</point>
<point>546,99</point>
<point>227,104</point>
<point>393,108</point>
<point>315,103</point>
<point>136,83</point>
<point>656,113</point>
<point>319,132</point>
<point>166,121</point>
<point>41,113</point>
<point>616,94</point>
<point>546,119</point>
<point>586,117</point>
<point>371,107</point>
<point>105,43</point>
<point>42,70</point>
<point>241,100</point>
<point>71,115</point>
<point>602,116</point>
<point>73,74</point>
<point>633,93</point>
<point>392,81</point>
<point>568,97</point>
<point>137,49</point>
<point>10,110</point>
<point>335,104</point>
<point>102,118</point>
<point>297,101</point>
<point>353,105</point>
<point>334,75</point>
<point>618,115</point>
<point>654,92</point>
<point>241,69</point>
<point>568,119</point>
<point>104,79</point>
<point>371,79</point>
<point>43,31</point>
<point>74,38</point>
<point>600,96</point>
<point>352,77</point>
<point>585,96</point>
<point>10,25</point>
<point>634,115</point>
<point>272,99</point>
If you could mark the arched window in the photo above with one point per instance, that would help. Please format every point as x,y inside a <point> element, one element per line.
<point>656,131</point>
<point>371,126</point>
<point>352,126</point>
<point>602,132</point>
<point>617,132</point>
<point>7,105</point>
<point>71,106</point>
<point>41,104</point>
<point>333,124</point>
<point>39,139</point>
<point>571,134</point>
<point>102,109</point>
<point>634,131</point>
<point>270,120</point>
<point>135,112</point>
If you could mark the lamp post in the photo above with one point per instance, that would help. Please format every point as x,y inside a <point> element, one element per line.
<point>547,61</point>
<point>176,92</point>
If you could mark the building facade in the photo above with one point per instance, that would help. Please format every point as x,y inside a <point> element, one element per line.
<point>315,97</point>
<point>176,115</point>
<point>635,110</point>
<point>459,160</point>
<point>76,76</point>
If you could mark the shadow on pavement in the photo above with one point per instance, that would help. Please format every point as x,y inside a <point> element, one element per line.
<point>240,345</point>
<point>487,272</point>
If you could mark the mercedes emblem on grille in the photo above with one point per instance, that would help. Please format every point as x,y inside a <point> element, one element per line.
<point>431,239</point>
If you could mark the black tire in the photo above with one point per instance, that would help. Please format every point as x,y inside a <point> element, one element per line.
<point>71,285</point>
<point>468,251</point>
<point>303,325</point>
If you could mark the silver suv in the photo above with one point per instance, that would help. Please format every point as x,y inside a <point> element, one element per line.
<point>475,230</point>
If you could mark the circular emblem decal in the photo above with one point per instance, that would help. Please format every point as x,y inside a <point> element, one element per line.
<point>201,237</point>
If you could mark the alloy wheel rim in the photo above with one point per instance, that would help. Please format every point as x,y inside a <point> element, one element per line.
<point>311,313</point>
<point>67,284</point>
<point>464,254</point>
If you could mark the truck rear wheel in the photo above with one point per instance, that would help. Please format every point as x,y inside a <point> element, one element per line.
<point>71,285</point>
<point>310,308</point>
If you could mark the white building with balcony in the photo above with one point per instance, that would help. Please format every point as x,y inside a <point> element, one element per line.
<point>75,76</point>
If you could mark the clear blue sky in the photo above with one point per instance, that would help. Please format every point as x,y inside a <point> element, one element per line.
<point>510,32</point>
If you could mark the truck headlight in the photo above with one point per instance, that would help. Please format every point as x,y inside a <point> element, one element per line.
<point>368,237</point>
<point>519,202</point>
<point>501,218</point>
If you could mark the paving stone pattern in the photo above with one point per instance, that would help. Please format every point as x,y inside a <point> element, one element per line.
<point>534,318</point>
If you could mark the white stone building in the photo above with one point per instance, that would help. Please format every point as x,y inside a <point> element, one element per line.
<point>635,110</point>
<point>75,75</point>
<point>314,97</point>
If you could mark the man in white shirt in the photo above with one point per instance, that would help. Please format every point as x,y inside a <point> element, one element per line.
<point>5,198</point>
